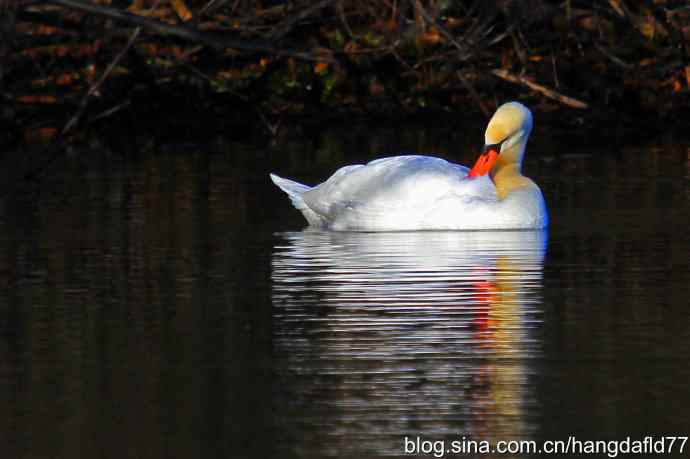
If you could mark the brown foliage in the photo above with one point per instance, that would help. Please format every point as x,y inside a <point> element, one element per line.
<point>415,54</point>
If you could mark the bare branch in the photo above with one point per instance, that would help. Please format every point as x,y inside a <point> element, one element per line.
<point>184,32</point>
<point>286,26</point>
<point>565,100</point>
<point>94,87</point>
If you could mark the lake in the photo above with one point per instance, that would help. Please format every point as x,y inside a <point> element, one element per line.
<point>164,300</point>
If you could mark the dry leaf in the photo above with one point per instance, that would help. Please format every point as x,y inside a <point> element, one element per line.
<point>387,25</point>
<point>430,37</point>
<point>46,30</point>
<point>616,5</point>
<point>89,73</point>
<point>136,6</point>
<point>40,135</point>
<point>452,23</point>
<point>375,87</point>
<point>351,47</point>
<point>181,10</point>
<point>37,99</point>
<point>61,50</point>
<point>64,79</point>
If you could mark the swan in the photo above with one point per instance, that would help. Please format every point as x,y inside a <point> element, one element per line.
<point>415,192</point>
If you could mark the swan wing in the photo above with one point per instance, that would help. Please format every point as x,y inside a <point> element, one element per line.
<point>396,192</point>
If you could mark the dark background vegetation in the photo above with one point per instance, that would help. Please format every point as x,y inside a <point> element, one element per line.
<point>77,63</point>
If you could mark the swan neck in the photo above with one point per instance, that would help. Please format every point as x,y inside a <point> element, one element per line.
<point>511,158</point>
<point>507,173</point>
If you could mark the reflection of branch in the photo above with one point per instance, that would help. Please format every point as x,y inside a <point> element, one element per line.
<point>565,100</point>
<point>184,32</point>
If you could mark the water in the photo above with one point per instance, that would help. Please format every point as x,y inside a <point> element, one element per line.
<point>170,305</point>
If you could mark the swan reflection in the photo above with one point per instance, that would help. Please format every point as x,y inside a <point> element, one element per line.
<point>382,335</point>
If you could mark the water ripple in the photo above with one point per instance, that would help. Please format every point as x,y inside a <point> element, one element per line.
<point>382,335</point>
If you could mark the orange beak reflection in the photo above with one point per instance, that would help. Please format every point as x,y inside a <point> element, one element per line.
<point>484,163</point>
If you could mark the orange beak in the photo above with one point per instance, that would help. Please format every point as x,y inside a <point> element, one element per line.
<point>484,163</point>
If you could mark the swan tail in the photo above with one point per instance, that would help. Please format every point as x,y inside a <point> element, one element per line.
<point>294,190</point>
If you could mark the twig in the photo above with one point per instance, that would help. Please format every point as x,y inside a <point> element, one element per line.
<point>185,32</point>
<point>343,20</point>
<point>620,7</point>
<point>565,100</point>
<point>616,60</point>
<point>617,8</point>
<point>83,103</point>
<point>110,111</point>
<point>94,87</point>
<point>394,52</point>
<point>554,70</point>
<point>284,27</point>
<point>209,5</point>
<point>465,53</point>
<point>501,36</point>
<point>518,50</point>
<point>271,127</point>
<point>473,93</point>
<point>418,17</point>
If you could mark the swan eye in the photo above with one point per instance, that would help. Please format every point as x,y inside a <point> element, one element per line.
<point>494,146</point>
<point>512,139</point>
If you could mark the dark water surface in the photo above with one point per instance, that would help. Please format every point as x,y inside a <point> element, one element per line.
<point>170,305</point>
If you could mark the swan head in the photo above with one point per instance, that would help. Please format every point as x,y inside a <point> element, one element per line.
<point>505,138</point>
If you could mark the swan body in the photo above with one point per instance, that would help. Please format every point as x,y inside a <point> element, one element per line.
<point>416,192</point>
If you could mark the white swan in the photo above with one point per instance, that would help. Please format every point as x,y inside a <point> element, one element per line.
<point>425,193</point>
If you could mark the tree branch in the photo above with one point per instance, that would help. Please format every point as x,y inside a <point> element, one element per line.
<point>565,100</point>
<point>185,32</point>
